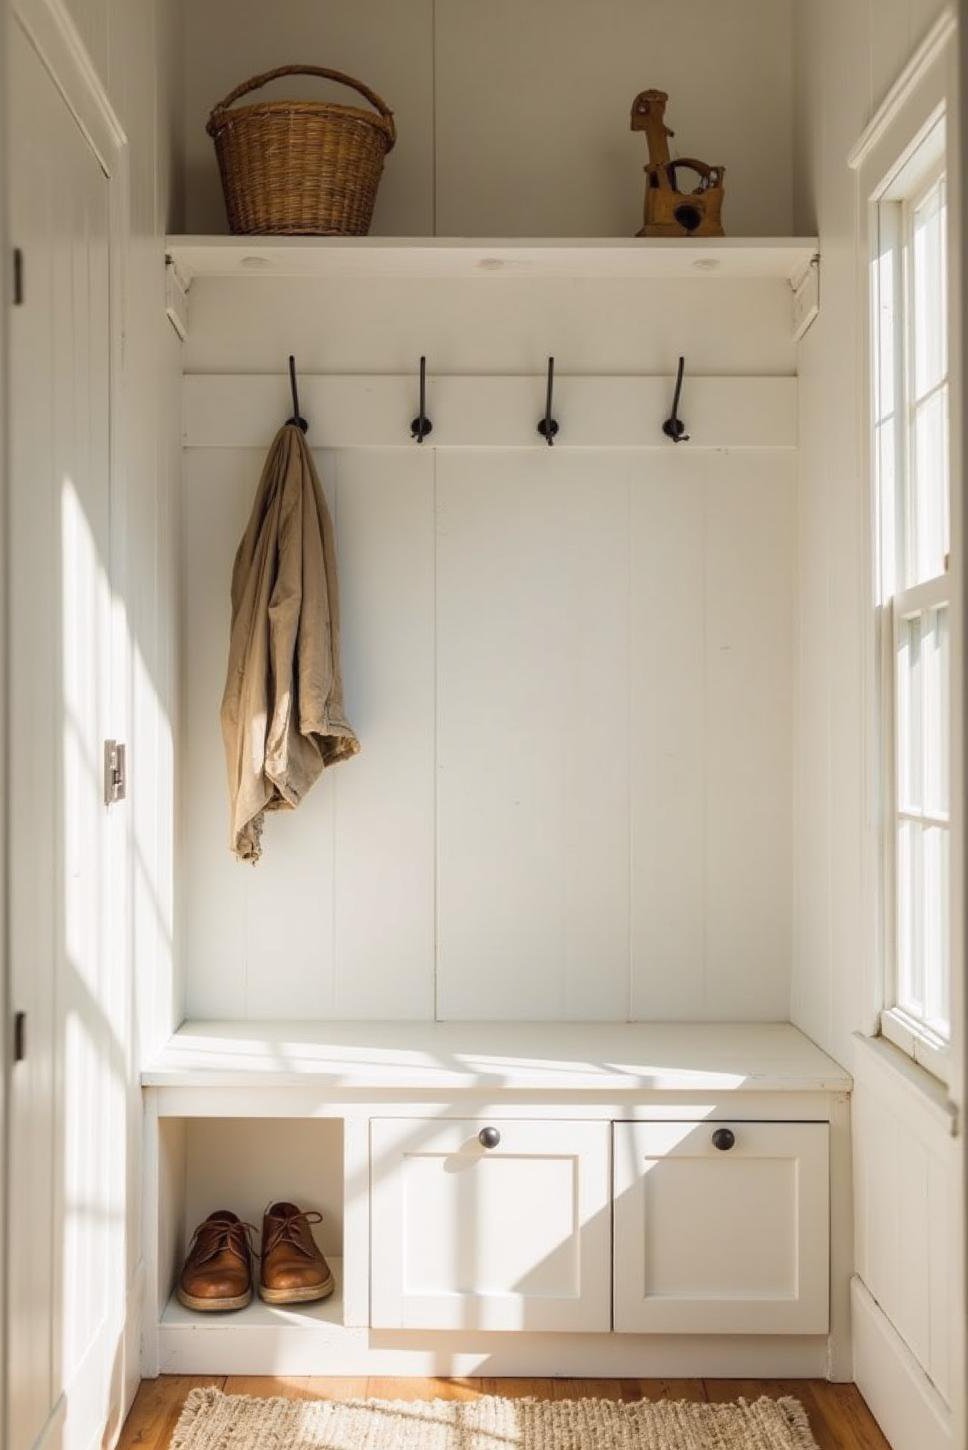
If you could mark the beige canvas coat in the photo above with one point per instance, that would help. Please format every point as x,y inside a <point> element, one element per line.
<point>282,710</point>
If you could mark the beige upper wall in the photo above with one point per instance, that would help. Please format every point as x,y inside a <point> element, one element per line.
<point>136,49</point>
<point>528,102</point>
<point>847,55</point>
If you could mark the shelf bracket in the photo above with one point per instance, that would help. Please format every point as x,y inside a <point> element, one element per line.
<point>805,286</point>
<point>176,297</point>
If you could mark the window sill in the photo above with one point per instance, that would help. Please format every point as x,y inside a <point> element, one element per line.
<point>925,1047</point>
<point>917,1094</point>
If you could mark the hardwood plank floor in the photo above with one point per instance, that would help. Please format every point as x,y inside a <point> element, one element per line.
<point>838,1416</point>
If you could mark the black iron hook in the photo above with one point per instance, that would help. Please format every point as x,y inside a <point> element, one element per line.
<point>422,425</point>
<point>673,427</point>
<point>299,421</point>
<point>548,427</point>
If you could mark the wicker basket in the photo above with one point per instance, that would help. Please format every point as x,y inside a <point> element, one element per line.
<point>301,168</point>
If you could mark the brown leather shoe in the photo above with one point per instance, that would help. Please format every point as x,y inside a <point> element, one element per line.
<point>293,1269</point>
<point>218,1268</point>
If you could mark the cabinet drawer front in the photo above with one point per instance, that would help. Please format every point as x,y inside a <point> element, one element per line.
<point>721,1240</point>
<point>511,1236</point>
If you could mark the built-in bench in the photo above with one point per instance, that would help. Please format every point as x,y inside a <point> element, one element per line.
<point>512,1198</point>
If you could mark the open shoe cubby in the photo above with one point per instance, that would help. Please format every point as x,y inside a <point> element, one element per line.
<point>243,1164</point>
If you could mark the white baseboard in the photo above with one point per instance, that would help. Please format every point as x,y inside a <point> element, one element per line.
<point>208,1348</point>
<point>902,1399</point>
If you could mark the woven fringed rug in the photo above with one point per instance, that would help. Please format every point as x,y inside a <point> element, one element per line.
<point>213,1421</point>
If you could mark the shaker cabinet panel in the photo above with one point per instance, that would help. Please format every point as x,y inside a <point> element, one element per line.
<point>490,1225</point>
<point>721,1228</point>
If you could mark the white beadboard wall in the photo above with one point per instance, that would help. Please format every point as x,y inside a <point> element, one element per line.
<point>571,671</point>
<point>906,1162</point>
<point>513,119</point>
<point>848,54</point>
<point>491,324</point>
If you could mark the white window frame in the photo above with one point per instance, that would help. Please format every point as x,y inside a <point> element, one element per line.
<point>912,1034</point>
<point>917,178</point>
<point>898,158</point>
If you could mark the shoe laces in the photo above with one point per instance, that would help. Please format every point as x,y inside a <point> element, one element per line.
<point>219,1235</point>
<point>282,1230</point>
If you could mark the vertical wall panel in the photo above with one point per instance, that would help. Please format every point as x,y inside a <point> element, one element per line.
<point>911,1310</point>
<point>941,1217</point>
<point>217,495</point>
<point>905,1165</point>
<point>532,619</point>
<point>711,702</point>
<point>336,920</point>
<point>749,604</point>
<point>258,938</point>
<point>384,819</point>
<point>667,695</point>
<point>607,635</point>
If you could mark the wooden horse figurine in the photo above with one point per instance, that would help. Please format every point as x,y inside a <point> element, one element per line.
<point>669,211</point>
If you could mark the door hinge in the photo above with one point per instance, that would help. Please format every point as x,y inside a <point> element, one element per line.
<point>18,277</point>
<point>115,772</point>
<point>19,1036</point>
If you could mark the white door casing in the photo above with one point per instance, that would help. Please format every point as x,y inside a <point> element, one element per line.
<point>514,1236</point>
<point>715,1240</point>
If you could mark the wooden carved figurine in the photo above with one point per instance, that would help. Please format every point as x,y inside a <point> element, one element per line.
<point>669,210</point>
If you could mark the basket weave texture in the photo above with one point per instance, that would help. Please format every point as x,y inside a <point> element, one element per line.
<point>301,168</point>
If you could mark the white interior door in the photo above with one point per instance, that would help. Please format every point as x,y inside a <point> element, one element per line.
<point>514,1235</point>
<point>721,1228</point>
<point>67,1124</point>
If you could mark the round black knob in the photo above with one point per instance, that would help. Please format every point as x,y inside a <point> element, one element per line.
<point>723,1139</point>
<point>489,1137</point>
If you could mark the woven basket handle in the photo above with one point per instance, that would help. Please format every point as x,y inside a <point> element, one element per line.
<point>255,83</point>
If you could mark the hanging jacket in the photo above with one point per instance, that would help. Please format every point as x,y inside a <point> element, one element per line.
<point>282,710</point>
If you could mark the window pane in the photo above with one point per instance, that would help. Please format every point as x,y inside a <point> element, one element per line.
<point>889,432</point>
<point>934,675</point>
<point>908,915</point>
<point>934,914</point>
<point>930,521</point>
<point>922,784</point>
<point>926,508</point>
<point>890,533</point>
<point>928,263</point>
<point>909,711</point>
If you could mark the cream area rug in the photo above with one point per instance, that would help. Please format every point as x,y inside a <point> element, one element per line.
<point>213,1421</point>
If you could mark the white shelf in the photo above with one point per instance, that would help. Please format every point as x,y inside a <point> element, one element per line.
<point>312,1340</point>
<point>409,1057</point>
<point>324,1315</point>
<point>603,257</point>
<point>262,1338</point>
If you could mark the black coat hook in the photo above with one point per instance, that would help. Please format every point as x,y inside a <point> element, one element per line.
<point>422,425</point>
<point>299,421</point>
<point>548,427</point>
<point>673,427</point>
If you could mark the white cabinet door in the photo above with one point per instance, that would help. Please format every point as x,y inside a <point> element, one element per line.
<point>728,1239</point>
<point>512,1236</point>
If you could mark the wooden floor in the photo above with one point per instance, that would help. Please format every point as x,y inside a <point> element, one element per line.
<point>838,1416</point>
